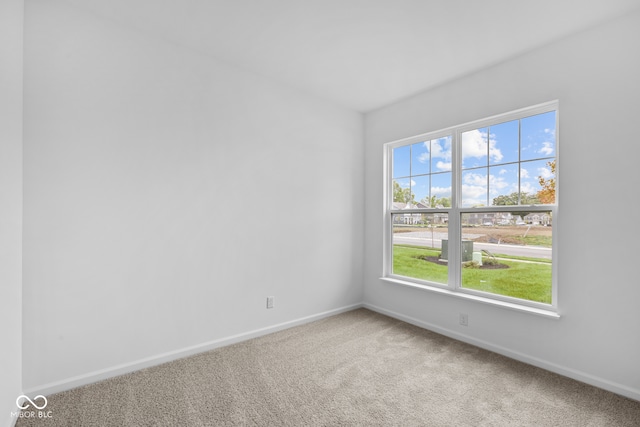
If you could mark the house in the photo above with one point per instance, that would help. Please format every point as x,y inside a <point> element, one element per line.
<point>486,219</point>
<point>537,219</point>
<point>135,134</point>
<point>409,218</point>
<point>435,218</point>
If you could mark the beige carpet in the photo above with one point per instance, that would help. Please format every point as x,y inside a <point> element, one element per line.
<point>354,369</point>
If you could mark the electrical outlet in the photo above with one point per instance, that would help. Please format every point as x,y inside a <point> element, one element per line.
<point>464,319</point>
<point>269,302</point>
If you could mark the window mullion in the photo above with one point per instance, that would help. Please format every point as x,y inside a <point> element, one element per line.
<point>387,236</point>
<point>454,216</point>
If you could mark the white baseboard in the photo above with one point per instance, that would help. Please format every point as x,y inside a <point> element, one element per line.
<point>103,374</point>
<point>540,363</point>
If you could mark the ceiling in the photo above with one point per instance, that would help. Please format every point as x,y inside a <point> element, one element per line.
<point>362,54</point>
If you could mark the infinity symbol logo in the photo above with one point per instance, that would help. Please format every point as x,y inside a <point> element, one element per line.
<point>31,401</point>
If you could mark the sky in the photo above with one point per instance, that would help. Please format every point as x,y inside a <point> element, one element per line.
<point>497,160</point>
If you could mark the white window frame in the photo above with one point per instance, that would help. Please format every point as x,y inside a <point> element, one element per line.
<point>454,285</point>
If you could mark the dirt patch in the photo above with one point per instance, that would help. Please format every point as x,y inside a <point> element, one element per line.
<point>406,230</point>
<point>509,235</point>
<point>498,238</point>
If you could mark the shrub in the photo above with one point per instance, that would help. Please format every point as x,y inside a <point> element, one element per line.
<point>489,261</point>
<point>470,264</point>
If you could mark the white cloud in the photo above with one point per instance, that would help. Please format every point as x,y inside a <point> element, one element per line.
<point>524,173</point>
<point>441,148</point>
<point>497,183</point>
<point>441,191</point>
<point>494,153</point>
<point>545,173</point>
<point>527,187</point>
<point>474,189</point>
<point>443,166</point>
<point>473,195</point>
<point>474,144</point>
<point>547,148</point>
<point>473,192</point>
<point>474,179</point>
<point>438,148</point>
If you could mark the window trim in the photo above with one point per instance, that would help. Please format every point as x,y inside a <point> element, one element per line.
<point>454,285</point>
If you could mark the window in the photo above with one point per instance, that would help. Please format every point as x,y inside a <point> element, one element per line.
<point>470,209</point>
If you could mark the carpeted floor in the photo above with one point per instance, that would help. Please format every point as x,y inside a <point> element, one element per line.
<point>354,369</point>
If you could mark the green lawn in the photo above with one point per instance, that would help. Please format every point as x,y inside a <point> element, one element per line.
<point>529,281</point>
<point>407,263</point>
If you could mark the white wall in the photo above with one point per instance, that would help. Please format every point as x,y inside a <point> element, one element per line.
<point>167,195</point>
<point>595,77</point>
<point>11,13</point>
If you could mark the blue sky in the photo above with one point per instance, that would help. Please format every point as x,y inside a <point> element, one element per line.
<point>496,160</point>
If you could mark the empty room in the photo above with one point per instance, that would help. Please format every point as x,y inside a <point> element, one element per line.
<point>319,213</point>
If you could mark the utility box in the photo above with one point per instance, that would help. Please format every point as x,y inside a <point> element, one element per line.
<point>467,250</point>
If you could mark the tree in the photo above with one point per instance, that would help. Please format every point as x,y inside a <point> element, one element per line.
<point>547,194</point>
<point>512,199</point>
<point>434,202</point>
<point>402,195</point>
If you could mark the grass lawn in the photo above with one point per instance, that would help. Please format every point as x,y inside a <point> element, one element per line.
<point>407,263</point>
<point>524,280</point>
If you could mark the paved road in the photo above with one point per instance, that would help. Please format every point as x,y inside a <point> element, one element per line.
<point>422,238</point>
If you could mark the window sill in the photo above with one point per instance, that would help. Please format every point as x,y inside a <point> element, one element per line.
<point>503,304</point>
